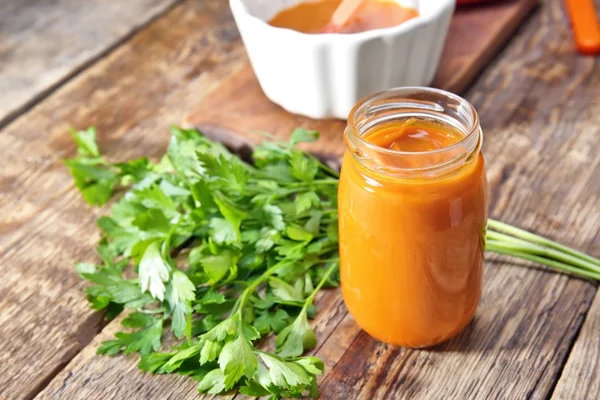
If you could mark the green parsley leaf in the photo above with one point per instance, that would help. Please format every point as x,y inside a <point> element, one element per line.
<point>154,197</point>
<point>95,182</point>
<point>314,222</point>
<point>226,169</point>
<point>135,170</point>
<point>285,291</point>
<point>165,363</point>
<point>296,338</point>
<point>268,321</point>
<point>254,389</point>
<point>303,168</point>
<point>223,231</point>
<point>144,340</point>
<point>86,142</point>
<point>288,374</point>
<point>303,135</point>
<point>213,382</point>
<point>304,201</point>
<point>152,362</point>
<point>112,287</point>
<point>154,271</point>
<point>123,239</point>
<point>210,351</point>
<point>153,221</point>
<point>216,267</point>
<point>274,217</point>
<point>268,238</point>
<point>180,294</point>
<point>236,360</point>
<point>220,332</point>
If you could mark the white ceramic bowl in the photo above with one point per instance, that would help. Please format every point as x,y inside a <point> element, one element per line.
<point>324,75</point>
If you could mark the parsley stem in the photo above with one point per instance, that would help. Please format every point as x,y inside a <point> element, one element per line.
<point>303,185</point>
<point>325,167</point>
<point>151,310</point>
<point>166,248</point>
<point>243,299</point>
<point>309,299</point>
<point>328,211</point>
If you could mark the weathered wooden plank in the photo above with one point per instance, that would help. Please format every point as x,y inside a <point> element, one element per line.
<point>44,43</point>
<point>90,376</point>
<point>580,378</point>
<point>132,96</point>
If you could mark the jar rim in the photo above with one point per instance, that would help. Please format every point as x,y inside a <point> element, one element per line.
<point>364,103</point>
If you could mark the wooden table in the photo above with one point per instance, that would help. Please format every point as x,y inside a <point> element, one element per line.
<point>133,67</point>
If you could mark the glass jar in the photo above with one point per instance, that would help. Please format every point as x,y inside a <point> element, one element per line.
<point>412,224</point>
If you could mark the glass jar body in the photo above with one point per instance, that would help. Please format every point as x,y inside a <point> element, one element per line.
<point>411,253</point>
<point>411,249</point>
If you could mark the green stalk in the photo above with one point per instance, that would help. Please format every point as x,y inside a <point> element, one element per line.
<point>500,248</point>
<point>524,246</point>
<point>309,300</point>
<point>325,167</point>
<point>325,181</point>
<point>243,299</point>
<point>520,233</point>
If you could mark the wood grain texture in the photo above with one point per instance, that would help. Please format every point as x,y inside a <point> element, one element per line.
<point>580,378</point>
<point>240,107</point>
<point>131,96</point>
<point>94,377</point>
<point>475,36</point>
<point>42,43</point>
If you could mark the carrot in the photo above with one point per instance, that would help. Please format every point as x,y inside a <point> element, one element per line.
<point>585,25</point>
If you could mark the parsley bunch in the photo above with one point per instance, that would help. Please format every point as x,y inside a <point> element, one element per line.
<point>218,251</point>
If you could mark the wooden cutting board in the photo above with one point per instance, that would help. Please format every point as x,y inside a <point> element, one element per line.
<point>237,109</point>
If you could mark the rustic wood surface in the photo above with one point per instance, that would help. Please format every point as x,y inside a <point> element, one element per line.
<point>580,378</point>
<point>540,107</point>
<point>42,43</point>
<point>476,34</point>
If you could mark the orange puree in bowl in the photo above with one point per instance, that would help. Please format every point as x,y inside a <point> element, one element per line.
<point>313,16</point>
<point>411,246</point>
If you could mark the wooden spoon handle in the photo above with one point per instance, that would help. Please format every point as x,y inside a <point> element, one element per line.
<point>342,15</point>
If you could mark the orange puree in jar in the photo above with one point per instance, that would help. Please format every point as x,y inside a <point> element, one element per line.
<point>412,217</point>
<point>313,16</point>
